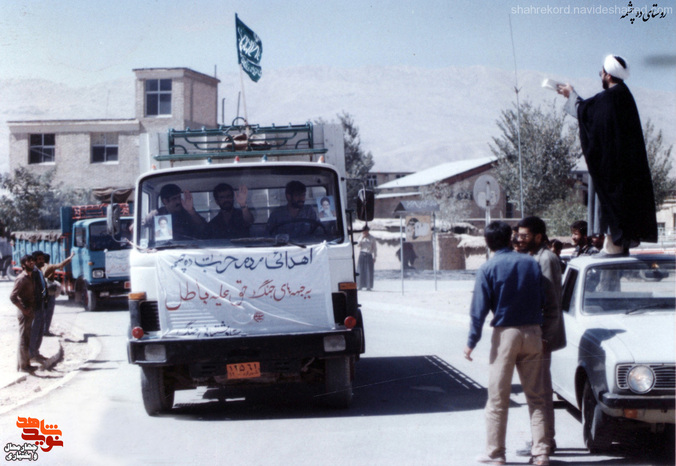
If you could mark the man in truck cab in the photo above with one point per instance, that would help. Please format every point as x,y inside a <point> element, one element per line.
<point>295,218</point>
<point>230,222</point>
<point>186,223</point>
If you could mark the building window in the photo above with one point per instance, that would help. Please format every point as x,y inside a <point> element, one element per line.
<point>42,148</point>
<point>371,180</point>
<point>104,148</point>
<point>158,97</point>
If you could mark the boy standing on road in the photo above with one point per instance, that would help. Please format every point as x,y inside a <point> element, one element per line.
<point>509,285</point>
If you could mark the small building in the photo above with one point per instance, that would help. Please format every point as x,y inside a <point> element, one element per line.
<point>461,174</point>
<point>96,155</point>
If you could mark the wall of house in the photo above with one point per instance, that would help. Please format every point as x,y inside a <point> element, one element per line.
<point>72,165</point>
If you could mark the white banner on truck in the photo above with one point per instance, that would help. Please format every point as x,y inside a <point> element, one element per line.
<point>253,292</point>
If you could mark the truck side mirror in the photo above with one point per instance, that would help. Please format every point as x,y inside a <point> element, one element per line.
<point>366,199</point>
<point>113,220</point>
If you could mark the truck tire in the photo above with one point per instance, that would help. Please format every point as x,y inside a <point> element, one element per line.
<point>157,390</point>
<point>90,300</point>
<point>596,427</point>
<point>10,272</point>
<point>338,382</point>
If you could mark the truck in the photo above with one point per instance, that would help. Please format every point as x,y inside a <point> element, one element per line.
<point>99,269</point>
<point>273,304</point>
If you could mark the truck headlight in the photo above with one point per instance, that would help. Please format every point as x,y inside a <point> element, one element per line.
<point>98,273</point>
<point>641,379</point>
<point>334,343</point>
<point>155,353</point>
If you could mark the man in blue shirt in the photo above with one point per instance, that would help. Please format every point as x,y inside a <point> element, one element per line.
<point>510,285</point>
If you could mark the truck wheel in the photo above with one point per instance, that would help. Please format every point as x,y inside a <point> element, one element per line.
<point>90,299</point>
<point>157,390</point>
<point>338,382</point>
<point>595,423</point>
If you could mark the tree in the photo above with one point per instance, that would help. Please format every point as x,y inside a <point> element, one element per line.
<point>357,161</point>
<point>32,201</point>
<point>454,202</point>
<point>549,152</point>
<point>659,160</point>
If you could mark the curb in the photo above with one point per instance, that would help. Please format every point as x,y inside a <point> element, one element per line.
<point>94,347</point>
<point>47,365</point>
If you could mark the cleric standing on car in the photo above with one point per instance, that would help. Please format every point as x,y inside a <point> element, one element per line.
<point>612,142</point>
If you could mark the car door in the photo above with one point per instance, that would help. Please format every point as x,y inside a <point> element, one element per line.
<point>565,360</point>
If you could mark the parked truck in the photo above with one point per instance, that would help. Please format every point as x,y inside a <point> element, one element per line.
<point>100,266</point>
<point>233,309</point>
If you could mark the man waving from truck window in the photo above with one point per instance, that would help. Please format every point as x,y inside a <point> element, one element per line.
<point>186,223</point>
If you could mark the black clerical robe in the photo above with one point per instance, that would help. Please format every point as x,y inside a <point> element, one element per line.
<point>612,142</point>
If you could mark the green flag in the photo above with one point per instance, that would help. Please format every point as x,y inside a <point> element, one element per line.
<point>249,50</point>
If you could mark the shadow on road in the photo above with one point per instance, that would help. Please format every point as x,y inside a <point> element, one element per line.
<point>382,386</point>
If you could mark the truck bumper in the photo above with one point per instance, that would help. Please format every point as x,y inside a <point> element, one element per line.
<point>112,288</point>
<point>229,350</point>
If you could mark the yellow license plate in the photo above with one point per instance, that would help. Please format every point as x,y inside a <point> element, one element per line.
<point>244,370</point>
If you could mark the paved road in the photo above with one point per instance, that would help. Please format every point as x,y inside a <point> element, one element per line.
<point>417,400</point>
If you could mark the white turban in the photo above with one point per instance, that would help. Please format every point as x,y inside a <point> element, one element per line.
<point>615,68</point>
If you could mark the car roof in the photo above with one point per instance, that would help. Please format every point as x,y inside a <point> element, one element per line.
<point>597,259</point>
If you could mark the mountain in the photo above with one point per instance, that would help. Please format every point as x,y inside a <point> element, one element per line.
<point>409,118</point>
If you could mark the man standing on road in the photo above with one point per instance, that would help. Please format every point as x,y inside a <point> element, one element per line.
<point>38,327</point>
<point>531,240</point>
<point>49,272</point>
<point>23,297</point>
<point>509,284</point>
<point>614,149</point>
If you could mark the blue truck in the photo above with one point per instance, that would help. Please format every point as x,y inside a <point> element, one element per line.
<point>100,266</point>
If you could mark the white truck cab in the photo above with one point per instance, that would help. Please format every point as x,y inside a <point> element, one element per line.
<point>256,287</point>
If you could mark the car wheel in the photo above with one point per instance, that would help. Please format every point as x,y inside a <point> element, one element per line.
<point>338,382</point>
<point>157,390</point>
<point>90,299</point>
<point>595,423</point>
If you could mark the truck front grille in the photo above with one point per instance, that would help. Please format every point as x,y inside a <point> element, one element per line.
<point>150,317</point>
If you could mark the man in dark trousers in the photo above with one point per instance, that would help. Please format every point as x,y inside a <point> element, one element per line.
<point>23,297</point>
<point>612,142</point>
<point>510,285</point>
<point>38,327</point>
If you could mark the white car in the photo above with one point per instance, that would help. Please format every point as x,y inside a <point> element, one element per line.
<point>618,367</point>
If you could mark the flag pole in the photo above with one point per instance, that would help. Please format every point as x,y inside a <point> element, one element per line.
<point>241,82</point>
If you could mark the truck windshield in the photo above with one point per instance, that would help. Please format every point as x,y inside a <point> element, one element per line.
<point>100,239</point>
<point>240,206</point>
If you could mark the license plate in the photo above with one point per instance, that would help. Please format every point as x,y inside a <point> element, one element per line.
<point>244,370</point>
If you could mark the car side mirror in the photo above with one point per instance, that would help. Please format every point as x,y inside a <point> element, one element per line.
<point>113,220</point>
<point>366,199</point>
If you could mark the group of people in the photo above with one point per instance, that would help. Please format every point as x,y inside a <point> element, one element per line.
<point>521,285</point>
<point>34,294</point>
<point>295,219</point>
<point>521,282</point>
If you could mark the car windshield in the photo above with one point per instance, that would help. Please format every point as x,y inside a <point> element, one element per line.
<point>247,206</point>
<point>631,287</point>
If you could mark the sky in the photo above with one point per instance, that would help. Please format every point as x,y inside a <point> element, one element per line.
<point>92,41</point>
